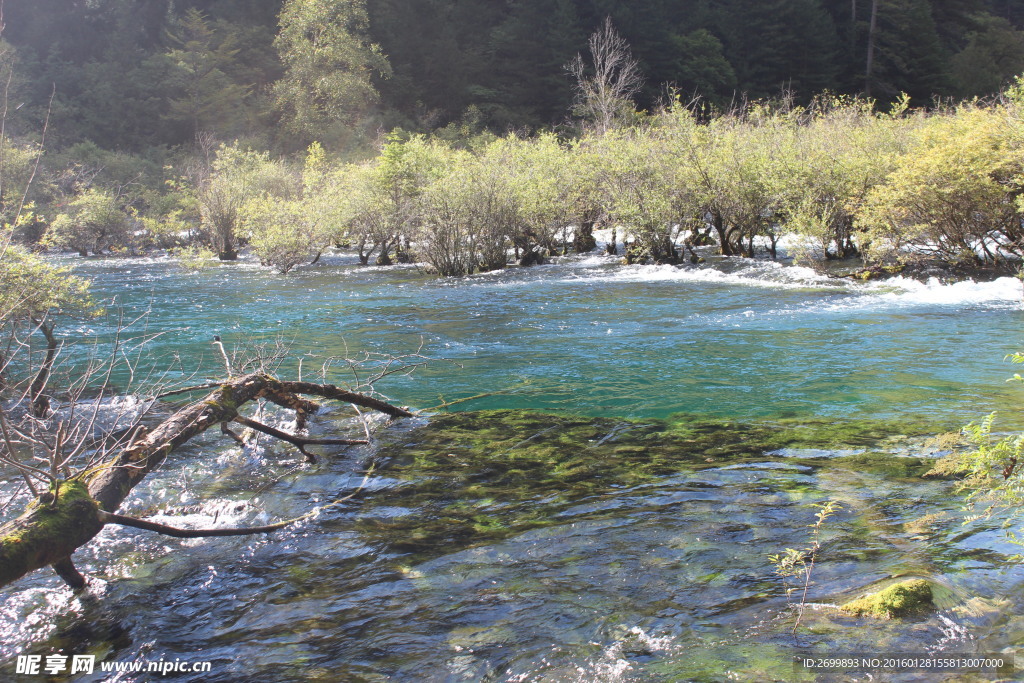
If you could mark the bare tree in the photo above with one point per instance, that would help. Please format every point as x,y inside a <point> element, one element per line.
<point>80,461</point>
<point>606,86</point>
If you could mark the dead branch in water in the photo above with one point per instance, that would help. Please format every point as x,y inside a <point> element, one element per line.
<point>73,510</point>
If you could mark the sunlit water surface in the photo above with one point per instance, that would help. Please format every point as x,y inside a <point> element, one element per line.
<point>617,556</point>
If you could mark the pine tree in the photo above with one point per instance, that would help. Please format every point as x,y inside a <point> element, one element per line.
<point>206,98</point>
<point>778,45</point>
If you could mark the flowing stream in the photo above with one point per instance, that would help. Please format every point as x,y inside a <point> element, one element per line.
<point>681,424</point>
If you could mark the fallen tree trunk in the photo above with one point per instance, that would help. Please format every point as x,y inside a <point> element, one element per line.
<point>72,512</point>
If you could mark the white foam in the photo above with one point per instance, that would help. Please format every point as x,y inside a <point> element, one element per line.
<point>212,514</point>
<point>815,452</point>
<point>1005,291</point>
<point>765,274</point>
<point>31,615</point>
<point>601,268</point>
<point>897,292</point>
<point>111,414</point>
<point>953,633</point>
<point>613,664</point>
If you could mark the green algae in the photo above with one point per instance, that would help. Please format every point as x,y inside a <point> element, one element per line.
<point>894,467</point>
<point>520,435</point>
<point>928,525</point>
<point>478,476</point>
<point>898,600</point>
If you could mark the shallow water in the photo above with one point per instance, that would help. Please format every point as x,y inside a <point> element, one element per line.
<point>597,543</point>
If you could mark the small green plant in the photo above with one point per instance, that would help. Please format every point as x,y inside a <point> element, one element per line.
<point>194,258</point>
<point>993,472</point>
<point>796,566</point>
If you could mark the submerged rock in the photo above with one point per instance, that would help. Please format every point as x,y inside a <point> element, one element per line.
<point>898,600</point>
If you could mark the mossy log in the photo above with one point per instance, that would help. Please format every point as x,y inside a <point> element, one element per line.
<point>52,527</point>
<point>70,514</point>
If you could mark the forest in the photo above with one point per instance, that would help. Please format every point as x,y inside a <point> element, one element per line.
<point>139,75</point>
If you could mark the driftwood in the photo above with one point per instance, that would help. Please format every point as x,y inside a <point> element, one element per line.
<point>71,513</point>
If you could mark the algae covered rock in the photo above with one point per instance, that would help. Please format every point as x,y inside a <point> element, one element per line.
<point>898,600</point>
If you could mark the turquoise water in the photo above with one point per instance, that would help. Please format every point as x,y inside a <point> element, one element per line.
<point>593,543</point>
<point>757,340</point>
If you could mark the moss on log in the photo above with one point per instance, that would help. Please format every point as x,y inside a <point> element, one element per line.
<point>49,531</point>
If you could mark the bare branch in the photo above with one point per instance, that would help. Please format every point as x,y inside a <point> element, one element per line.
<point>111,518</point>
<point>67,571</point>
<point>185,390</point>
<point>339,394</point>
<point>223,354</point>
<point>299,441</point>
<point>24,469</point>
<point>224,429</point>
<point>90,466</point>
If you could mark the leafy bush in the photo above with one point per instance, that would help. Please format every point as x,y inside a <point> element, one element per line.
<point>952,194</point>
<point>93,221</point>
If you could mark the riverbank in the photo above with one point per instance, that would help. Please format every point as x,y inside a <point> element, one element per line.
<point>789,251</point>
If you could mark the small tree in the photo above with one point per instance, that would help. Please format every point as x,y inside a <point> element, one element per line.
<point>829,163</point>
<point>287,230</point>
<point>32,296</point>
<point>750,198</point>
<point>17,165</point>
<point>605,87</point>
<point>358,206</point>
<point>234,177</point>
<point>445,240</point>
<point>493,205</point>
<point>640,194</point>
<point>383,201</point>
<point>543,183</point>
<point>953,195</point>
<point>582,191</point>
<point>396,185</point>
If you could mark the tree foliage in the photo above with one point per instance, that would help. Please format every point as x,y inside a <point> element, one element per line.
<point>290,224</point>
<point>31,289</point>
<point>92,222</point>
<point>329,65</point>
<point>667,170</point>
<point>952,194</point>
<point>992,472</point>
<point>235,176</point>
<point>204,95</point>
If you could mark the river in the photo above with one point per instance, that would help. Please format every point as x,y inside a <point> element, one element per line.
<point>689,419</point>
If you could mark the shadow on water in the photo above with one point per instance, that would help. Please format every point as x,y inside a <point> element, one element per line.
<point>519,546</point>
